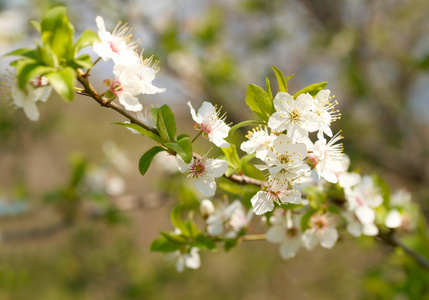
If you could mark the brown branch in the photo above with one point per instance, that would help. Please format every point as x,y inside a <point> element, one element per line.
<point>390,239</point>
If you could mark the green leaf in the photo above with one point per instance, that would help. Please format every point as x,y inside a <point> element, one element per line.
<point>27,69</point>
<point>146,159</point>
<point>242,124</point>
<point>63,82</point>
<point>84,61</point>
<point>36,25</point>
<point>204,242</point>
<point>312,89</point>
<point>163,245</point>
<point>183,147</point>
<point>192,228</point>
<point>87,38</point>
<point>268,88</point>
<point>230,243</point>
<point>232,156</point>
<point>57,34</point>
<point>154,111</point>
<point>306,219</point>
<point>141,130</point>
<point>282,81</point>
<point>165,123</point>
<point>23,52</point>
<point>176,220</point>
<point>259,102</point>
<point>175,238</point>
<point>179,137</point>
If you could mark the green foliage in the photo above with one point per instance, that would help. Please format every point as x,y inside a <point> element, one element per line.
<point>87,38</point>
<point>268,88</point>
<point>282,81</point>
<point>146,159</point>
<point>259,102</point>
<point>183,147</point>
<point>312,89</point>
<point>165,123</point>
<point>242,124</point>
<point>306,219</point>
<point>63,82</point>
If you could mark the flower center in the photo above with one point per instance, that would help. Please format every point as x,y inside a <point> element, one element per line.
<point>197,170</point>
<point>294,116</point>
<point>318,222</point>
<point>283,159</point>
<point>292,231</point>
<point>114,47</point>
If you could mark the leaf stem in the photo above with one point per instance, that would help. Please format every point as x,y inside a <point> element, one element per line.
<point>87,71</point>
<point>199,133</point>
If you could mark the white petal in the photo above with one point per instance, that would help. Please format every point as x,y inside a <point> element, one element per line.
<point>180,264</point>
<point>30,109</point>
<point>218,141</point>
<point>100,23</point>
<point>354,228</point>
<point>370,229</point>
<point>309,239</point>
<point>206,186</point>
<point>215,167</point>
<point>393,219</point>
<point>130,102</point>
<point>42,93</point>
<point>277,122</point>
<point>193,259</point>
<point>329,237</point>
<point>289,247</point>
<point>365,214</point>
<point>206,110</point>
<point>261,203</point>
<point>276,234</point>
<point>181,165</point>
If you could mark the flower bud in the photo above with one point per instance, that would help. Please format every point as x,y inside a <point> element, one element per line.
<point>205,135</point>
<point>197,126</point>
<point>206,208</point>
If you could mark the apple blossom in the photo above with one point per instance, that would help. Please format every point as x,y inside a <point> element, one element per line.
<point>259,141</point>
<point>321,230</point>
<point>263,201</point>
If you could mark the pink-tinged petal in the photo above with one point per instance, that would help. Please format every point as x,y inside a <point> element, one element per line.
<point>215,167</point>
<point>309,239</point>
<point>261,203</point>
<point>329,237</point>
<point>206,186</point>
<point>278,121</point>
<point>276,234</point>
<point>290,247</point>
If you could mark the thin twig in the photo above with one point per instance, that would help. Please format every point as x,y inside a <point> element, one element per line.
<point>391,239</point>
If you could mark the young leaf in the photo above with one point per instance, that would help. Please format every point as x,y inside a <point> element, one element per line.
<point>312,89</point>
<point>36,25</point>
<point>143,131</point>
<point>232,156</point>
<point>83,61</point>
<point>147,158</point>
<point>87,38</point>
<point>165,123</point>
<point>23,52</point>
<point>306,219</point>
<point>229,244</point>
<point>183,147</point>
<point>176,220</point>
<point>242,124</point>
<point>175,238</point>
<point>63,82</point>
<point>259,102</point>
<point>268,88</point>
<point>282,81</point>
<point>163,245</point>
<point>204,242</point>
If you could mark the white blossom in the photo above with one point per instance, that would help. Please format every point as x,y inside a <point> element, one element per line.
<point>263,201</point>
<point>292,115</point>
<point>211,123</point>
<point>324,114</point>
<point>328,158</point>
<point>286,232</point>
<point>259,141</point>
<point>203,171</point>
<point>357,228</point>
<point>206,208</point>
<point>118,45</point>
<point>190,260</point>
<point>285,163</point>
<point>321,231</point>
<point>362,198</point>
<point>232,217</point>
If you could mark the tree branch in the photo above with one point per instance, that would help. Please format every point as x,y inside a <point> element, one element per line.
<point>391,239</point>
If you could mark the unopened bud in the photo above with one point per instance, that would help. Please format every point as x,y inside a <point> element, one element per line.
<point>107,82</point>
<point>197,126</point>
<point>206,208</point>
<point>205,135</point>
<point>312,160</point>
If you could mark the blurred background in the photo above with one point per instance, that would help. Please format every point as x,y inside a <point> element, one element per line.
<point>77,218</point>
